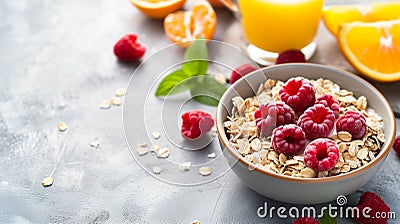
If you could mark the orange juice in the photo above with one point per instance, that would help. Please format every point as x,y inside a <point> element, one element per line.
<point>279,25</point>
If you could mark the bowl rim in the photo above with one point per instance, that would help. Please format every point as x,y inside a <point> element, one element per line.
<point>239,158</point>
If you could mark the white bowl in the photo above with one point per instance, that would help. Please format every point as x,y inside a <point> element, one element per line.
<point>294,189</point>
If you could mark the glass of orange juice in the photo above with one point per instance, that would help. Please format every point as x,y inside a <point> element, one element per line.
<point>273,26</point>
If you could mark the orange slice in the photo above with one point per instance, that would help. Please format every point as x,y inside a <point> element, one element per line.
<point>185,26</point>
<point>373,48</point>
<point>335,15</point>
<point>158,9</point>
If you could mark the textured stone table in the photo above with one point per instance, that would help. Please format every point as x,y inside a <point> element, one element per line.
<point>56,64</point>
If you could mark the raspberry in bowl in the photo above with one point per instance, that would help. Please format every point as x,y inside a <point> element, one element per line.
<point>309,159</point>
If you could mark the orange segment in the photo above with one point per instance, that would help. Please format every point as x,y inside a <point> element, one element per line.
<point>183,26</point>
<point>158,9</point>
<point>373,48</point>
<point>334,16</point>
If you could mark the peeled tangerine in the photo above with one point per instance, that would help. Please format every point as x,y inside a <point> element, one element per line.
<point>182,27</point>
<point>373,48</point>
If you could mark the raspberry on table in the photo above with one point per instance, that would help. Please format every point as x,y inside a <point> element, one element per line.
<point>376,205</point>
<point>271,115</point>
<point>298,93</point>
<point>330,102</point>
<point>128,49</point>
<point>288,139</point>
<point>241,71</point>
<point>322,154</point>
<point>306,220</point>
<point>196,123</point>
<point>290,56</point>
<point>317,121</point>
<point>396,145</point>
<point>352,122</point>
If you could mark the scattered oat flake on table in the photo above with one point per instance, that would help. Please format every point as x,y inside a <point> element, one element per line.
<point>48,181</point>
<point>196,222</point>
<point>157,170</point>
<point>95,144</point>
<point>211,155</point>
<point>105,104</point>
<point>62,126</point>
<point>205,170</point>
<point>142,150</point>
<point>120,92</point>
<point>116,101</point>
<point>156,135</point>
<point>163,153</point>
<point>184,166</point>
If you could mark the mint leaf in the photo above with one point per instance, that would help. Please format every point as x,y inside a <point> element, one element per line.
<point>327,219</point>
<point>196,57</point>
<point>173,83</point>
<point>207,90</point>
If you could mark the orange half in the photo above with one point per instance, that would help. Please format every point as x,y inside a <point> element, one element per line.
<point>373,48</point>
<point>335,15</point>
<point>185,26</point>
<point>158,9</point>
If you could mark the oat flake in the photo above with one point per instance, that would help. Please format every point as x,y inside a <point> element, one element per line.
<point>120,92</point>
<point>116,101</point>
<point>48,181</point>
<point>205,170</point>
<point>156,135</point>
<point>163,153</point>
<point>157,170</point>
<point>105,104</point>
<point>184,166</point>
<point>62,126</point>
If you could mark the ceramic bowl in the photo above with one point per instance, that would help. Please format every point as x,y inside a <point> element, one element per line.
<point>295,189</point>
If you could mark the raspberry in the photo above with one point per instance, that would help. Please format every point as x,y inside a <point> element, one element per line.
<point>375,205</point>
<point>306,220</point>
<point>396,145</point>
<point>298,93</point>
<point>241,71</point>
<point>352,122</point>
<point>322,154</point>
<point>196,123</point>
<point>330,102</point>
<point>288,139</point>
<point>317,121</point>
<point>128,49</point>
<point>290,56</point>
<point>271,115</point>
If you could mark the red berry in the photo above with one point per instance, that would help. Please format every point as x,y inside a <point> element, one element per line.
<point>352,122</point>
<point>288,139</point>
<point>330,102</point>
<point>298,93</point>
<point>396,145</point>
<point>271,115</point>
<point>378,209</point>
<point>128,49</point>
<point>196,123</point>
<point>306,220</point>
<point>317,121</point>
<point>290,56</point>
<point>241,71</point>
<point>322,154</point>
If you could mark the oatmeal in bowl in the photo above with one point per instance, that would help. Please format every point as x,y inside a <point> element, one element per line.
<point>304,133</point>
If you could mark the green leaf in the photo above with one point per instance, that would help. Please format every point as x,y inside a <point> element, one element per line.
<point>173,83</point>
<point>327,219</point>
<point>196,57</point>
<point>207,90</point>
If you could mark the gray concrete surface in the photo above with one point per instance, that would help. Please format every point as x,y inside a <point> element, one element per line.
<point>56,64</point>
